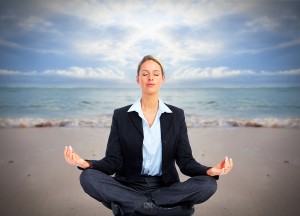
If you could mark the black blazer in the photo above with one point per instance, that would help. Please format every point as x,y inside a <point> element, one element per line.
<point>124,154</point>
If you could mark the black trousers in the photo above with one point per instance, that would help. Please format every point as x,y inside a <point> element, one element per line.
<point>107,189</point>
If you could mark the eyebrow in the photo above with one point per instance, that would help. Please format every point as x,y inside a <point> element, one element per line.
<point>149,71</point>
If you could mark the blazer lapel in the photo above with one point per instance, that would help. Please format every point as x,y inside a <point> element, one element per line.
<point>137,121</point>
<point>165,121</point>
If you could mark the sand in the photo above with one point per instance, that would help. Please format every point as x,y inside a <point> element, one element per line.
<point>35,179</point>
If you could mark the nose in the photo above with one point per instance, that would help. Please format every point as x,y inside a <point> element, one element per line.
<point>150,76</point>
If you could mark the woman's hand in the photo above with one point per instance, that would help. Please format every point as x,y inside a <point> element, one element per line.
<point>222,168</point>
<point>74,159</point>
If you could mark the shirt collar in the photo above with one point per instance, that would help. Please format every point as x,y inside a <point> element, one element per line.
<point>162,108</point>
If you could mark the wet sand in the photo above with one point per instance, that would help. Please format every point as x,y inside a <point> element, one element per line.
<point>35,179</point>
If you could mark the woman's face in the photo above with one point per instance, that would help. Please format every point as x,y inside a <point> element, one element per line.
<point>150,77</point>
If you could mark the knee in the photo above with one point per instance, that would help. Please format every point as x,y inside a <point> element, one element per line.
<point>204,187</point>
<point>90,178</point>
<point>208,184</point>
<point>212,185</point>
<point>85,179</point>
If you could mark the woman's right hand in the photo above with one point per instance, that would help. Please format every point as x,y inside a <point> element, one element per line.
<point>74,159</point>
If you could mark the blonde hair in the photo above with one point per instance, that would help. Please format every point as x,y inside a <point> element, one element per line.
<point>147,58</point>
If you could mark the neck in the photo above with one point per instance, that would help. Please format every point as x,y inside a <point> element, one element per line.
<point>149,102</point>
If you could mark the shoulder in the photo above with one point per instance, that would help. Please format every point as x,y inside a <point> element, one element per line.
<point>122,110</point>
<point>175,110</point>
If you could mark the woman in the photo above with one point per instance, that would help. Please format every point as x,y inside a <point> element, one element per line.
<point>145,141</point>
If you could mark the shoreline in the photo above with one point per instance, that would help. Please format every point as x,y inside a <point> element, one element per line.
<point>191,122</point>
<point>35,179</point>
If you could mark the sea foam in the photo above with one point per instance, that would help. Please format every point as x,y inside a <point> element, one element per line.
<point>190,122</point>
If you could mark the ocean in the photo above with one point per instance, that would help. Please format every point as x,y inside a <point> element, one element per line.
<point>203,107</point>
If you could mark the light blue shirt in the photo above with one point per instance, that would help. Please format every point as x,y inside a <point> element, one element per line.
<point>152,145</point>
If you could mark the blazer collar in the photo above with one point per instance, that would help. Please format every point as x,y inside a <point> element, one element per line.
<point>137,121</point>
<point>165,121</point>
<point>162,107</point>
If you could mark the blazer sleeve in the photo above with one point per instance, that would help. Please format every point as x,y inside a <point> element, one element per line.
<point>184,158</point>
<point>113,157</point>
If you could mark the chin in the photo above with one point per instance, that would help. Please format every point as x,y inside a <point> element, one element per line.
<point>151,91</point>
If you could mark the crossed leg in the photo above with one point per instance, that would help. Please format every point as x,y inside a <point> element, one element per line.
<point>107,190</point>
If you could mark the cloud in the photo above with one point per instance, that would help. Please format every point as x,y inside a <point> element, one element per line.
<point>281,45</point>
<point>88,73</point>
<point>35,23</point>
<point>73,76</point>
<point>96,35</point>
<point>261,23</point>
<point>208,73</point>
<point>8,72</point>
<point>137,27</point>
<point>208,76</point>
<point>177,32</point>
<point>11,44</point>
<point>16,73</point>
<point>224,72</point>
<point>73,72</point>
<point>288,72</point>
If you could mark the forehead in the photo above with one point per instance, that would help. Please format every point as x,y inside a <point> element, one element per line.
<point>150,65</point>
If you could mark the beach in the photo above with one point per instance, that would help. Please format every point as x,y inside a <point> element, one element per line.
<point>36,180</point>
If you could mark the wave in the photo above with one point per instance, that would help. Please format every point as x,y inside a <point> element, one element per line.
<point>257,123</point>
<point>41,123</point>
<point>190,122</point>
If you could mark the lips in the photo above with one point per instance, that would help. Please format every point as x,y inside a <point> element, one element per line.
<point>150,84</point>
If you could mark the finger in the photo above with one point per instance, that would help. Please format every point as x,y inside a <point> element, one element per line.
<point>75,157</point>
<point>65,151</point>
<point>223,171</point>
<point>66,154</point>
<point>228,168</point>
<point>225,166</point>
<point>228,164</point>
<point>70,155</point>
<point>73,154</point>
<point>68,159</point>
<point>223,162</point>
<point>70,151</point>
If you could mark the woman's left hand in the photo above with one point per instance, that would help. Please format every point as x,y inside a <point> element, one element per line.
<point>222,168</point>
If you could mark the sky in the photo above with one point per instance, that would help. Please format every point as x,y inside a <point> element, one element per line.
<point>99,43</point>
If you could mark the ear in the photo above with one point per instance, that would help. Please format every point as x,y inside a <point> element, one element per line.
<point>137,79</point>
<point>163,78</point>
